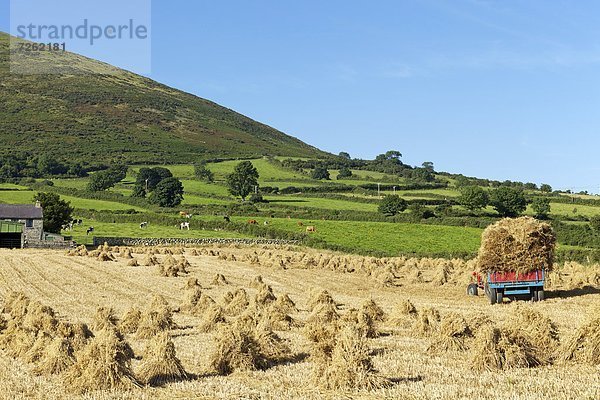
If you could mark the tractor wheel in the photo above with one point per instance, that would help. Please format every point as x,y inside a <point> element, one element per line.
<point>472,289</point>
<point>499,297</point>
<point>541,295</point>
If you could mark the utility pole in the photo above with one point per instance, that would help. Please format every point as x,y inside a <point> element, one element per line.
<point>394,189</point>
<point>379,190</point>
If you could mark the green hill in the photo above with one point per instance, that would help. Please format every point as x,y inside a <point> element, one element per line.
<point>99,114</point>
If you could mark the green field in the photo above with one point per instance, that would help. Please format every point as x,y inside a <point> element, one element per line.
<point>392,239</point>
<point>209,201</point>
<point>132,230</point>
<point>26,197</point>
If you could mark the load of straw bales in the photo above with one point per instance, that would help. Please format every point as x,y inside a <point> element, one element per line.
<point>521,245</point>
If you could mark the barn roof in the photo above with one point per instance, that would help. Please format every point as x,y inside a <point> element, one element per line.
<point>20,211</point>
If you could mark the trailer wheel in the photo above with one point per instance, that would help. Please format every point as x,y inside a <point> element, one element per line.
<point>472,289</point>
<point>493,296</point>
<point>499,297</point>
<point>534,295</point>
<point>541,295</point>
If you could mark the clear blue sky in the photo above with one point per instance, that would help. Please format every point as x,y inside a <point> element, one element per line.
<point>498,89</point>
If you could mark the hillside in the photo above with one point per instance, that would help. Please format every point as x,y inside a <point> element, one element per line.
<point>112,115</point>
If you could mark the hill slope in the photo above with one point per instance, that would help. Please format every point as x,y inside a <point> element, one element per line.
<point>112,115</point>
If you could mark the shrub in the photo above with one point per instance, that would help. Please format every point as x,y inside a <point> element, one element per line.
<point>392,205</point>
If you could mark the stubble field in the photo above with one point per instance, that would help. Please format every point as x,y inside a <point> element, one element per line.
<point>401,356</point>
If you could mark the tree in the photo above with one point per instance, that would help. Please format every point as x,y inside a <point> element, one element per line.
<point>345,155</point>
<point>393,155</point>
<point>422,175</point>
<point>344,173</point>
<point>243,180</point>
<point>202,173</point>
<point>139,191</point>
<point>541,207</point>
<point>100,181</point>
<point>508,202</point>
<point>57,212</point>
<point>473,198</point>
<point>320,172</point>
<point>47,166</point>
<point>150,177</point>
<point>104,180</point>
<point>428,165</point>
<point>545,188</point>
<point>391,205</point>
<point>168,193</point>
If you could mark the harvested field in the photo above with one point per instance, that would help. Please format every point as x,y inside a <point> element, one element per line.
<point>397,362</point>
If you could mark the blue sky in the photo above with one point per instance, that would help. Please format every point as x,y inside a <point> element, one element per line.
<point>497,89</point>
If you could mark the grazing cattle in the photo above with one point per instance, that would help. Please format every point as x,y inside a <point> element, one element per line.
<point>184,225</point>
<point>79,222</point>
<point>311,229</point>
<point>300,223</point>
<point>143,225</point>
<point>252,222</point>
<point>266,223</point>
<point>89,230</point>
<point>226,218</point>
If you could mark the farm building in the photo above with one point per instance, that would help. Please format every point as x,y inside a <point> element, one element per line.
<point>21,225</point>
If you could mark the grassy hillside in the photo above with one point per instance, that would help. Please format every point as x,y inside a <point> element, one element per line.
<point>102,114</point>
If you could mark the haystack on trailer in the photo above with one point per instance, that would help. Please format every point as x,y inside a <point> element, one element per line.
<point>513,259</point>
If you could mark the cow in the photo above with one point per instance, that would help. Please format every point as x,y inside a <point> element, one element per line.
<point>143,225</point>
<point>89,230</point>
<point>226,218</point>
<point>266,223</point>
<point>252,222</point>
<point>184,225</point>
<point>311,229</point>
<point>300,223</point>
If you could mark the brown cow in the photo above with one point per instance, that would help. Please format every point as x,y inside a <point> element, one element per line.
<point>253,222</point>
<point>300,223</point>
<point>311,229</point>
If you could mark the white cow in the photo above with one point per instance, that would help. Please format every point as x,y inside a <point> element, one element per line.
<point>184,225</point>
